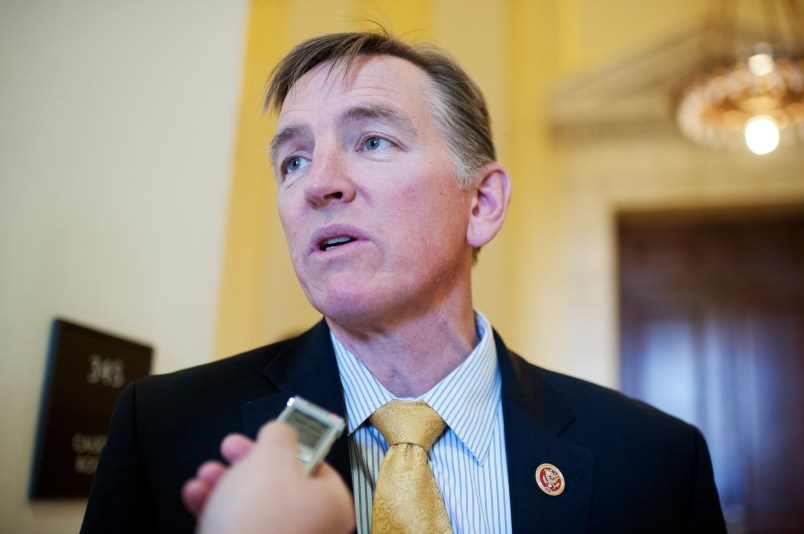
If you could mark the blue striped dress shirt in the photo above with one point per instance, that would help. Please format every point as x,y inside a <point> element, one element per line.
<point>468,461</point>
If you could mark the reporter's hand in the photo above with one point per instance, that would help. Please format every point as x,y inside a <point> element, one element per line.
<point>196,491</point>
<point>265,489</point>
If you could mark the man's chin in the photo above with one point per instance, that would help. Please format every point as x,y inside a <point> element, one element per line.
<point>349,316</point>
<point>352,310</point>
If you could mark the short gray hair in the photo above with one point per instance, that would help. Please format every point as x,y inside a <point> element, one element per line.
<point>458,103</point>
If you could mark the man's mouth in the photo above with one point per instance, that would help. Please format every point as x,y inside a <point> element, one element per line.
<point>334,242</point>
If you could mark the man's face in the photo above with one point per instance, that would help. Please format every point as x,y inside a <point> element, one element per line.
<point>368,196</point>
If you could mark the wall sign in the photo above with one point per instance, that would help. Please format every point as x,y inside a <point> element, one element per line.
<point>86,371</point>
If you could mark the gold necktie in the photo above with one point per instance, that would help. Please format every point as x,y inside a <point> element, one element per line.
<point>407,498</point>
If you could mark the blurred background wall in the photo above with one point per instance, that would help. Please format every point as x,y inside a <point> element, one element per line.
<point>117,123</point>
<point>135,195</point>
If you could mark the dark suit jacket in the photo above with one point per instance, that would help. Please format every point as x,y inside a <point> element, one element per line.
<point>628,467</point>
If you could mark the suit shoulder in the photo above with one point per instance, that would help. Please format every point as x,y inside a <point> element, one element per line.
<point>230,371</point>
<point>588,398</point>
<point>590,395</point>
<point>606,412</point>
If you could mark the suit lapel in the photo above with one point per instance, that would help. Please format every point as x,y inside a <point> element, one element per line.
<point>535,415</point>
<point>307,368</point>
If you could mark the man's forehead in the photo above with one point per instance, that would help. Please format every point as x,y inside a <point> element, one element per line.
<point>368,75</point>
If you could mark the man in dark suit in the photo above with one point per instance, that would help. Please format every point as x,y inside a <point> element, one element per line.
<point>388,187</point>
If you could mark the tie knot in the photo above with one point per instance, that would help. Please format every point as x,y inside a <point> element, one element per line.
<point>408,422</point>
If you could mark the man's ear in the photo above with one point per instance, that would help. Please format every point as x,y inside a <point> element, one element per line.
<point>489,205</point>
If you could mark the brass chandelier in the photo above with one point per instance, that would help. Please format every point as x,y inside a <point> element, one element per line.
<point>749,95</point>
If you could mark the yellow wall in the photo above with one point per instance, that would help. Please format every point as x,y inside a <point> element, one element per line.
<point>516,50</point>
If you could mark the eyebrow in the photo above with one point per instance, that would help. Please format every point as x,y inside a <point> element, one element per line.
<point>376,112</point>
<point>283,136</point>
<point>354,114</point>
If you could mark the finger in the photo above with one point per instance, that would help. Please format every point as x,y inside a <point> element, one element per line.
<point>235,447</point>
<point>194,495</point>
<point>277,431</point>
<point>279,437</point>
<point>196,491</point>
<point>211,472</point>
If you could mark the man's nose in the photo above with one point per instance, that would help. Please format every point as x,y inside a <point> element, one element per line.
<point>329,180</point>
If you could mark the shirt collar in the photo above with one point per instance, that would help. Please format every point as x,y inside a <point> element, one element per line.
<point>467,399</point>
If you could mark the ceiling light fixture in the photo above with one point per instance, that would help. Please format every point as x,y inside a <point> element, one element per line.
<point>752,97</point>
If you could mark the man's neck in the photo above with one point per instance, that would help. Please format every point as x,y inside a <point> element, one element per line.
<point>412,356</point>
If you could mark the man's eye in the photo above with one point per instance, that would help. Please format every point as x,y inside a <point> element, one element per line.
<point>375,143</point>
<point>294,164</point>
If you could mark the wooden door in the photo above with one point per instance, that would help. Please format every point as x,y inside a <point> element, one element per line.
<point>712,331</point>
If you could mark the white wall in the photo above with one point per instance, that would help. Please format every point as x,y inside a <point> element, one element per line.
<point>117,123</point>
